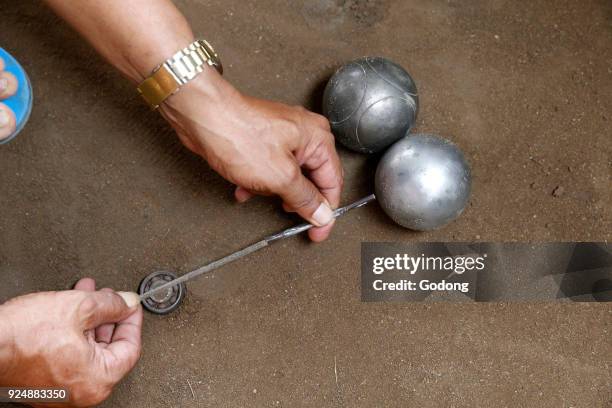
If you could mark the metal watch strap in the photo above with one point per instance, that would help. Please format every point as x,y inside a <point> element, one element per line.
<point>177,71</point>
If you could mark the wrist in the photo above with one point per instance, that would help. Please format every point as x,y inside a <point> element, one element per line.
<point>140,63</point>
<point>207,86</point>
<point>201,99</point>
<point>183,67</point>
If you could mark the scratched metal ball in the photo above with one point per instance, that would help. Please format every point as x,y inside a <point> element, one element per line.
<point>423,182</point>
<point>370,103</point>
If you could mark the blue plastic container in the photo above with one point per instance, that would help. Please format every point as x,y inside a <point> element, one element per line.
<point>21,102</point>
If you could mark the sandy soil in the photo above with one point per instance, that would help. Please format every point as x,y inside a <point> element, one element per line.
<point>97,185</point>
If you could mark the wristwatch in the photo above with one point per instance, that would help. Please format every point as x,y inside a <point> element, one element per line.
<point>175,72</point>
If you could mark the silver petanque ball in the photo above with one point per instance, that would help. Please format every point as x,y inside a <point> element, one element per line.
<point>423,182</point>
<point>370,103</point>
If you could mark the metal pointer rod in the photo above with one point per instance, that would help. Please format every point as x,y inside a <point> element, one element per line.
<point>252,248</point>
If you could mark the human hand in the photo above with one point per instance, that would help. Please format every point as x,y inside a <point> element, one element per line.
<point>263,147</point>
<point>8,87</point>
<point>81,340</point>
<point>260,146</point>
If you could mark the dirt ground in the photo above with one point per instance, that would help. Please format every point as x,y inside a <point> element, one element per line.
<point>98,186</point>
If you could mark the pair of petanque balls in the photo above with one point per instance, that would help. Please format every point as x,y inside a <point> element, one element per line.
<point>422,181</point>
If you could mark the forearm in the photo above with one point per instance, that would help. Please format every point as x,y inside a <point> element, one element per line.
<point>135,36</point>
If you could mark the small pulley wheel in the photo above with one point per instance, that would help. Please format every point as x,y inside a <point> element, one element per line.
<point>166,300</point>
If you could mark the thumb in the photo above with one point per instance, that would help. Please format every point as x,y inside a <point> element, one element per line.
<point>303,197</point>
<point>102,307</point>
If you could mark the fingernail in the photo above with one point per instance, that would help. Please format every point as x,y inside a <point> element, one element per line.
<point>323,216</point>
<point>3,84</point>
<point>4,118</point>
<point>130,298</point>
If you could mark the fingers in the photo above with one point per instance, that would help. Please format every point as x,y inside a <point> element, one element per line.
<point>125,345</point>
<point>320,234</point>
<point>86,284</point>
<point>301,195</point>
<point>98,308</point>
<point>8,84</point>
<point>242,194</point>
<point>7,121</point>
<point>325,168</point>
<point>104,333</point>
<point>315,195</point>
<point>116,319</point>
<point>325,171</point>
